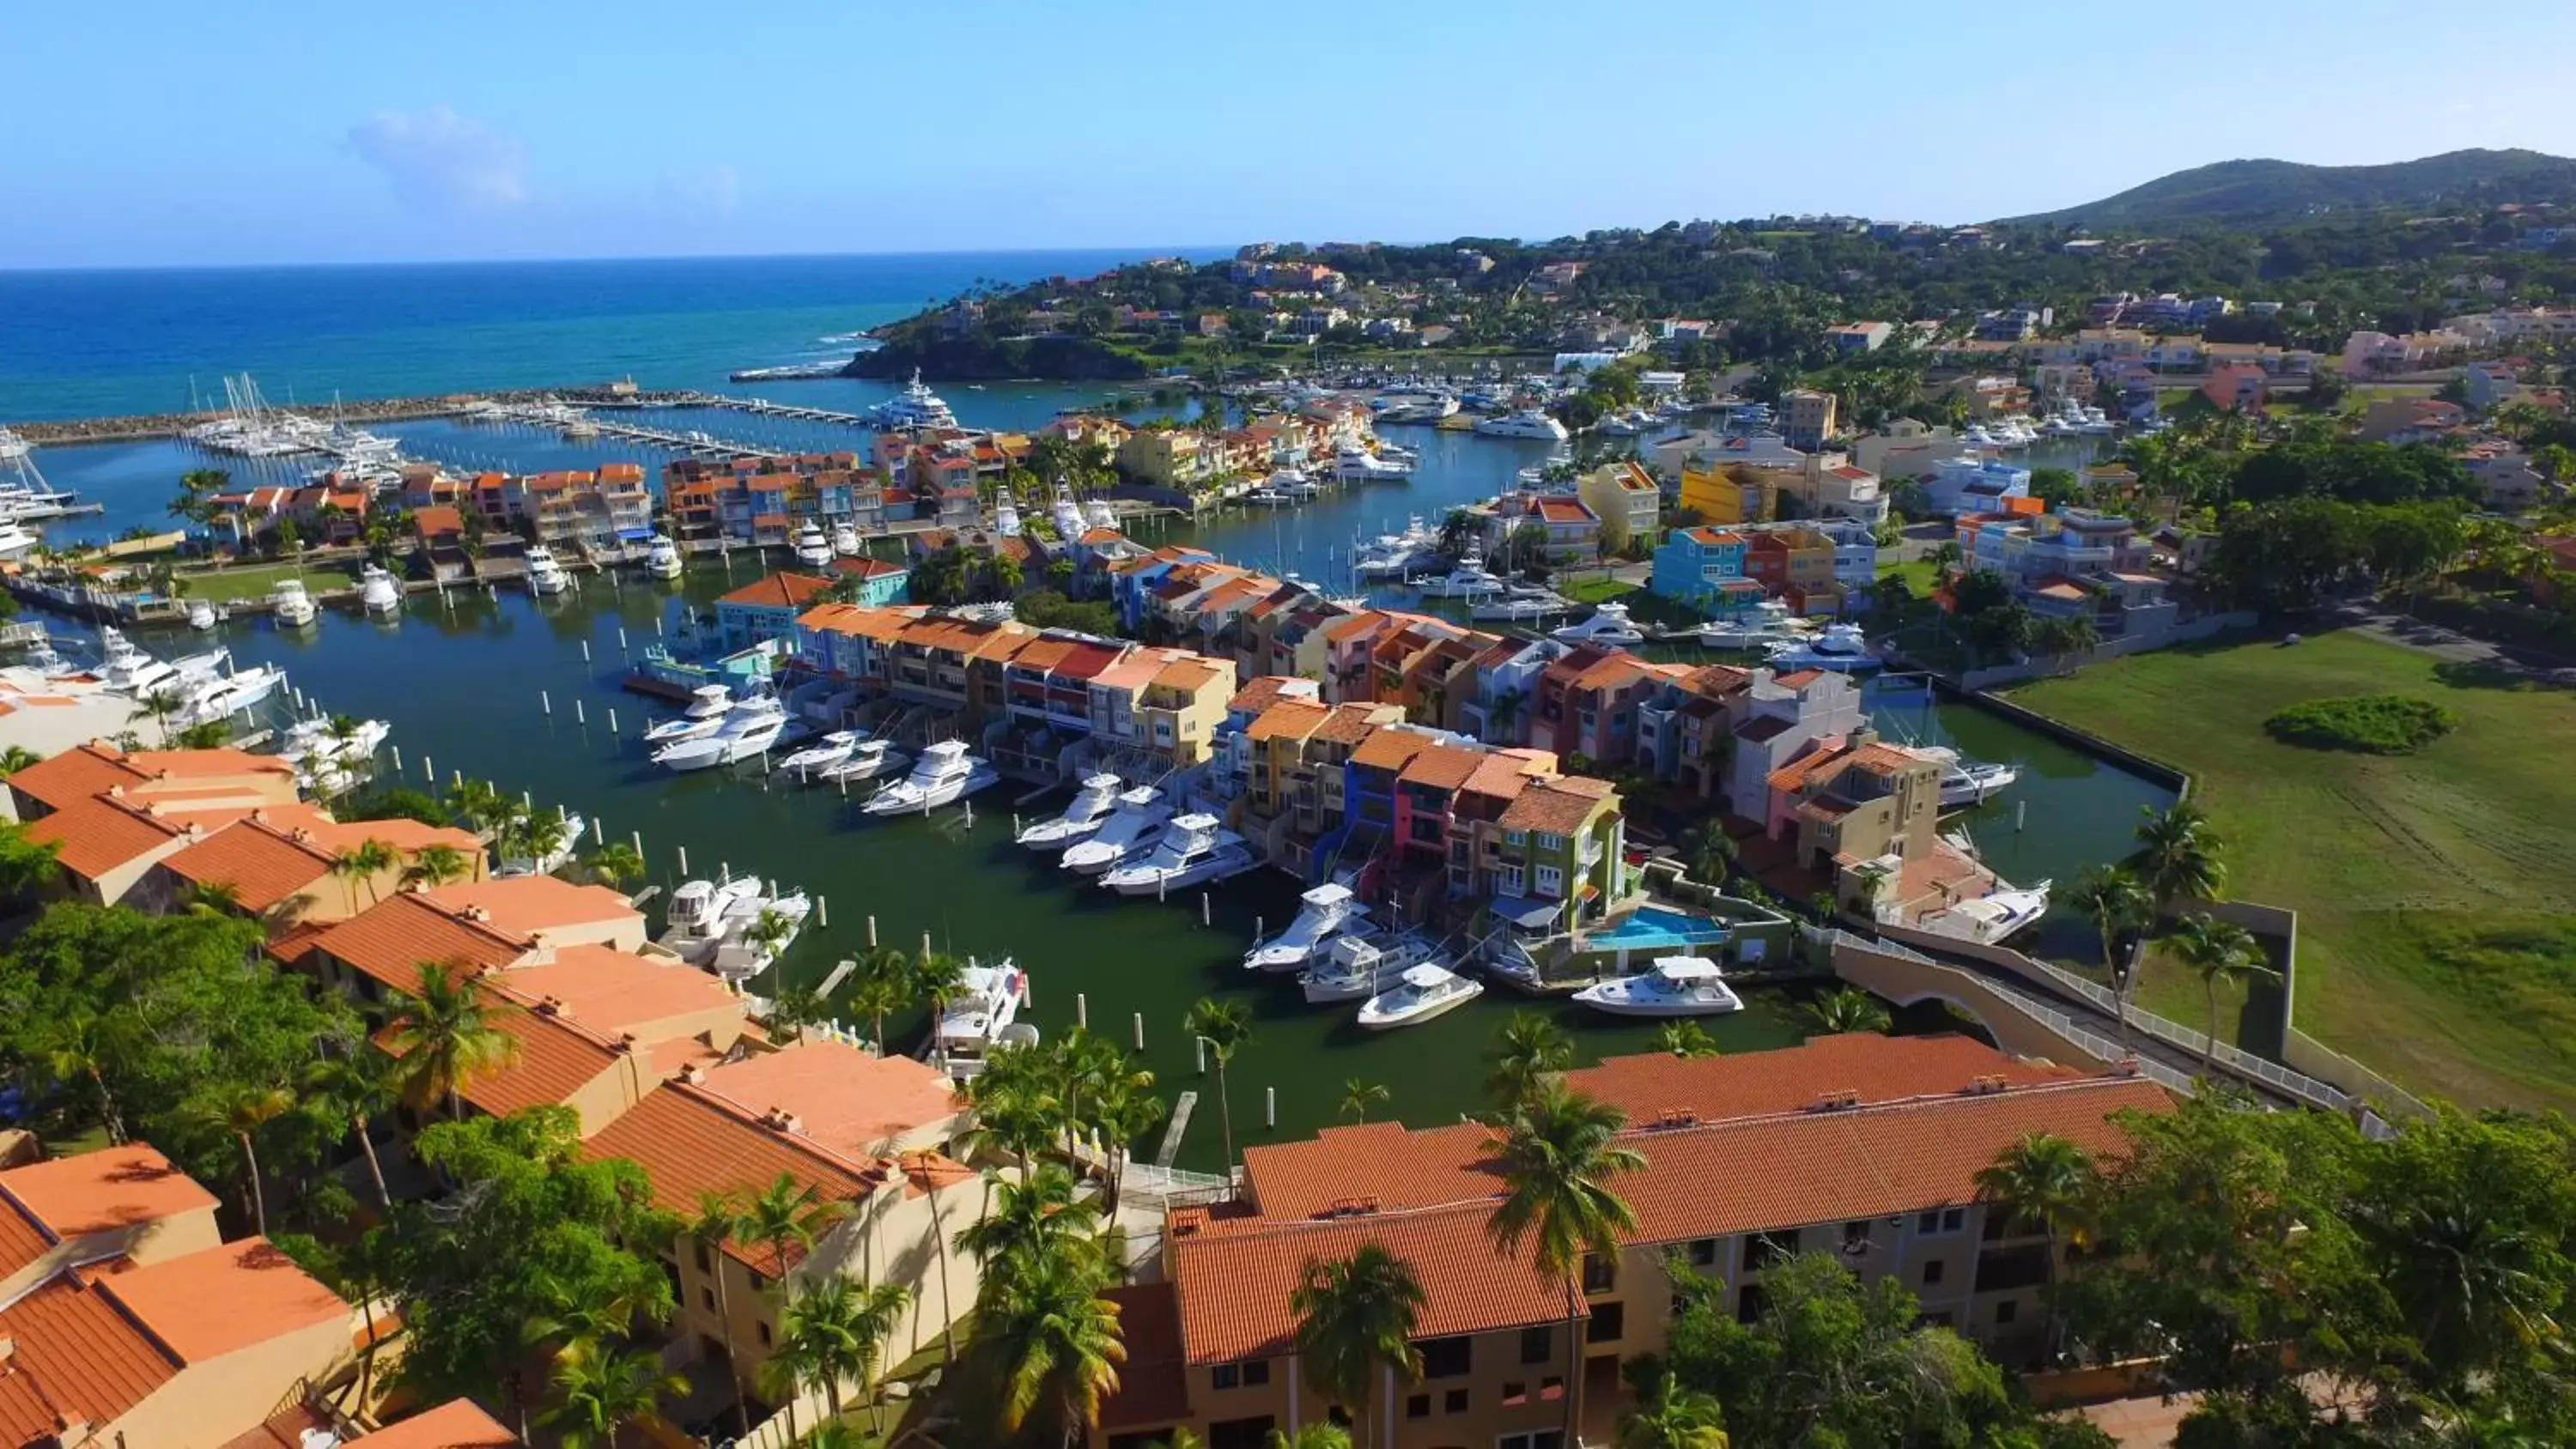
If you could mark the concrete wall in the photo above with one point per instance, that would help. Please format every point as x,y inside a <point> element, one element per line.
<point>209,1404</point>
<point>2206,626</point>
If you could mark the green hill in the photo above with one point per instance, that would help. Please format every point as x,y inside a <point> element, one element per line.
<point>2265,190</point>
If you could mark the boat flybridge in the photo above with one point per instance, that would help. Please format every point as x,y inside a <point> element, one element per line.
<point>291,605</point>
<point>377,591</point>
<point>746,732</point>
<point>1131,829</point>
<point>821,755</point>
<point>1424,992</point>
<point>1323,913</point>
<point>1609,627</point>
<point>1354,967</point>
<point>1676,986</point>
<point>811,547</point>
<point>974,1022</point>
<point>661,558</point>
<point>705,714</point>
<point>1468,580</point>
<point>943,774</point>
<point>546,576</point>
<point>1090,808</point>
<point>1196,849</point>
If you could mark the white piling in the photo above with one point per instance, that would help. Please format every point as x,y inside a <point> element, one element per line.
<point>621,638</point>
<point>635,838</point>
<point>580,713</point>
<point>1015,825</point>
<point>1257,932</point>
<point>612,719</point>
<point>528,801</point>
<point>545,702</point>
<point>1206,911</point>
<point>1198,1044</point>
<point>585,651</point>
<point>823,911</point>
<point>1162,888</point>
<point>1082,1009</point>
<point>684,862</point>
<point>872,933</point>
<point>2020,808</point>
<point>428,771</point>
<point>657,627</point>
<point>970,814</point>
<point>1140,1031</point>
<point>1270,1106</point>
<point>397,759</point>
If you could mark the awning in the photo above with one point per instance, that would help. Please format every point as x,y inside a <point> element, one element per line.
<point>1525,911</point>
<point>633,535</point>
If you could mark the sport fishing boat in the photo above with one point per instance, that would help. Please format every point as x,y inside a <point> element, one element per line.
<point>1608,627</point>
<point>867,760</point>
<point>1424,991</point>
<point>317,739</point>
<point>291,605</point>
<point>1322,914</point>
<point>1841,646</point>
<point>698,908</point>
<point>943,774</point>
<point>1354,967</point>
<point>128,669</point>
<point>1195,850</point>
<point>1966,782</point>
<point>203,615</point>
<point>546,577</point>
<point>1523,423</point>
<point>812,548</point>
<point>708,706</point>
<point>1520,604</point>
<point>377,591</point>
<point>1469,579</point>
<point>1770,622</point>
<point>1134,826</point>
<point>1083,815</point>
<point>1677,986</point>
<point>661,558</point>
<point>821,755</point>
<point>1359,465</point>
<point>1990,919</point>
<point>748,945</point>
<point>973,1023</point>
<point>228,693</point>
<point>746,732</point>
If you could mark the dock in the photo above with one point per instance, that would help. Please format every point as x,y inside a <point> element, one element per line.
<point>695,444</point>
<point>767,409</point>
<point>1172,1130</point>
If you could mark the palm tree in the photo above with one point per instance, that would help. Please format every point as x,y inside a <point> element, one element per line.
<point>1559,1151</point>
<point>789,1214</point>
<point>795,1008</point>
<point>1529,1053</point>
<point>16,758</point>
<point>2220,953</point>
<point>614,865</point>
<point>362,862</point>
<point>437,865</point>
<point>1035,1221</point>
<point>354,1082</point>
<point>1323,1435</point>
<point>921,1170</point>
<point>1124,1109</point>
<point>880,985</point>
<point>938,979</point>
<point>2118,904</point>
<point>239,1113</point>
<point>81,1048</point>
<point>2177,855</point>
<point>834,1327</point>
<point>477,806</point>
<point>1686,1039</point>
<point>1359,1096</point>
<point>2042,1181</point>
<point>1845,1009</point>
<point>211,898</point>
<point>444,1036</point>
<point>1224,1026</point>
<point>1673,1417</point>
<point>1355,1321</point>
<point>1048,1344</point>
<point>604,1390</point>
<point>716,1225</point>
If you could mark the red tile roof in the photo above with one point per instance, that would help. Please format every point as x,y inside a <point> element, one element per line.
<point>690,1142</point>
<point>456,1424</point>
<point>105,1191</point>
<point>76,774</point>
<point>557,1058</point>
<point>93,837</point>
<point>75,1355</point>
<point>1558,806</point>
<point>1879,1068</point>
<point>847,1099</point>
<point>264,865</point>
<point>530,905</point>
<point>391,941</point>
<point>778,591</point>
<point>611,991</point>
<point>224,1299</point>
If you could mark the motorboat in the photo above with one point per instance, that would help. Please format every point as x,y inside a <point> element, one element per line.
<point>1523,423</point>
<point>1195,850</point>
<point>942,774</point>
<point>698,907</point>
<point>661,558</point>
<point>377,591</point>
<point>127,668</point>
<point>1424,991</point>
<point>1268,498</point>
<point>328,740</point>
<point>1429,408</point>
<point>1989,919</point>
<point>746,732</point>
<point>812,548</point>
<point>867,760</point>
<point>290,605</point>
<point>1521,604</point>
<point>1006,519</point>
<point>973,1023</point>
<point>1322,914</point>
<point>571,829</point>
<point>1354,967</point>
<point>203,615</point>
<point>821,755</point>
<point>1133,827</point>
<point>1677,986</point>
<point>546,577</point>
<point>1769,622</point>
<point>1066,514</point>
<point>1359,465</point>
<point>1608,627</point>
<point>915,407</point>
<point>707,708</point>
<point>1098,514</point>
<point>757,931</point>
<point>1083,815</point>
<point>1840,646</point>
<point>1966,782</point>
<point>846,541</point>
<point>1468,579</point>
<point>222,695</point>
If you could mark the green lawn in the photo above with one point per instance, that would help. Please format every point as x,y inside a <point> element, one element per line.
<point>1919,574</point>
<point>253,581</point>
<point>2433,890</point>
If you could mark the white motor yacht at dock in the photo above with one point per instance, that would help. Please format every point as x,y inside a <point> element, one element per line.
<point>1354,967</point>
<point>1767,623</point>
<point>1083,815</point>
<point>1966,782</point>
<point>1195,850</point>
<point>1323,913</point>
<point>1609,627</point>
<point>943,774</point>
<point>821,755</point>
<point>1840,647</point>
<point>1523,423</point>
<point>662,558</point>
<point>1426,991</point>
<point>1990,919</point>
<point>747,731</point>
<point>867,760</point>
<point>1677,986</point>
<point>707,708</point>
<point>546,577</point>
<point>973,1024</point>
<point>1469,579</point>
<point>291,605</point>
<point>812,548</point>
<point>1131,828</point>
<point>377,592</point>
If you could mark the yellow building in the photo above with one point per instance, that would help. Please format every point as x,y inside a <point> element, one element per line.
<point>1728,493</point>
<point>1163,457</point>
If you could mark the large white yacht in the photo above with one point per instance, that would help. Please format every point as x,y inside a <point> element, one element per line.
<point>1676,986</point>
<point>1609,626</point>
<point>377,591</point>
<point>1354,967</point>
<point>661,558</point>
<point>915,407</point>
<point>1083,815</point>
<point>812,548</point>
<point>1770,622</point>
<point>1359,465</point>
<point>1966,782</point>
<point>1133,827</point>
<point>1422,993</point>
<point>1469,579</point>
<point>823,754</point>
<point>1841,647</point>
<point>973,1023</point>
<point>1322,914</point>
<point>944,773</point>
<point>1989,919</point>
<point>1523,423</point>
<point>546,577</point>
<point>1196,849</point>
<point>867,760</point>
<point>748,730</point>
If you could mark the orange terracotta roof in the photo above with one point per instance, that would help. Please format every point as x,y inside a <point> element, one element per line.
<point>557,1058</point>
<point>75,1355</point>
<point>94,837</point>
<point>456,1424</point>
<point>1441,767</point>
<point>778,591</point>
<point>1558,806</point>
<point>1505,776</point>
<point>1798,679</point>
<point>690,1142</point>
<point>76,774</point>
<point>847,1099</point>
<point>409,837</point>
<point>531,905</point>
<point>390,941</point>
<point>611,991</point>
<point>1879,1068</point>
<point>1154,1381</point>
<point>1389,749</point>
<point>224,1299</point>
<point>95,1192</point>
<point>1189,676</point>
<point>200,764</point>
<point>1234,1281</point>
<point>1256,696</point>
<point>1885,760</point>
<point>1288,719</point>
<point>1353,722</point>
<point>264,865</point>
<point>1807,768</point>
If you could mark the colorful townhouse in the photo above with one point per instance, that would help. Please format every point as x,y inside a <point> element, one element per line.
<point>1587,703</point>
<point>599,513</point>
<point>2072,563</point>
<point>1625,497</point>
<point>1974,484</point>
<point>1211,1342</point>
<point>1795,563</point>
<point>764,501</point>
<point>1498,712</point>
<point>1571,532</point>
<point>1703,567</point>
<point>766,609</point>
<point>1856,815</point>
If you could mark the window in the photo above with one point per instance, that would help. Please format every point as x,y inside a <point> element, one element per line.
<point>1550,880</point>
<point>1251,1373</point>
<point>707,1299</point>
<point>1454,1402</point>
<point>1515,1395</point>
<point>1750,1304</point>
<point>763,1326</point>
<point>1446,1358</point>
<point>1540,1439</point>
<point>1600,1274</point>
<point>1940,1221</point>
<point>705,1264</point>
<point>1609,1322</point>
<point>1417,1406</point>
<point>2007,1311</point>
<point>1248,1433</point>
<point>1538,1345</point>
<point>1932,1272</point>
<point>1703,1252</point>
<point>1550,841</point>
<point>1767,1249</point>
<point>1856,1237</point>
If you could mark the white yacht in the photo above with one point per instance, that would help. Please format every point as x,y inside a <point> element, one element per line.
<point>546,577</point>
<point>1195,850</point>
<point>129,670</point>
<point>698,907</point>
<point>705,714</point>
<point>316,739</point>
<point>1354,967</point>
<point>1989,919</point>
<point>1966,782</point>
<point>811,548</point>
<point>1098,514</point>
<point>741,952</point>
<point>867,760</point>
<point>821,755</point>
<point>1428,408</point>
<point>943,774</point>
<point>1521,604</point>
<point>1424,992</point>
<point>1067,514</point>
<point>745,732</point>
<point>377,591</point>
<point>1468,579</point>
<point>1359,465</point>
<point>845,541</point>
<point>1523,423</point>
<point>1771,622</point>
<point>1841,646</point>
<point>1083,815</point>
<point>1133,827</point>
<point>1322,914</point>
<point>916,407</point>
<point>203,615</point>
<point>15,540</point>
<point>1006,519</point>
<point>973,1023</point>
<point>214,698</point>
<point>1677,986</point>
<point>1609,626</point>
<point>661,558</point>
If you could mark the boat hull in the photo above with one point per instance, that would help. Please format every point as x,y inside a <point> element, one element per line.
<point>1381,1021</point>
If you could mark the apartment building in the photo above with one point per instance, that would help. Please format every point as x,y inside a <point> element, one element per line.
<point>1212,1345</point>
<point>1796,563</point>
<point>1625,498</point>
<point>1806,418</point>
<point>765,501</point>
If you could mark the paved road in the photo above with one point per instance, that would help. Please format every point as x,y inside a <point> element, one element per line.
<point>2408,632</point>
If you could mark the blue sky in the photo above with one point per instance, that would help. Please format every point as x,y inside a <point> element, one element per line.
<point>147,132</point>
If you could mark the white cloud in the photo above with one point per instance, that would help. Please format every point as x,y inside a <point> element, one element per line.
<point>442,164</point>
<point>713,190</point>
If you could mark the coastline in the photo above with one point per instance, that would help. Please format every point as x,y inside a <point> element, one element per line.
<point>62,432</point>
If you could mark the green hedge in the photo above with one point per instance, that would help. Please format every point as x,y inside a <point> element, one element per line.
<point>2377,724</point>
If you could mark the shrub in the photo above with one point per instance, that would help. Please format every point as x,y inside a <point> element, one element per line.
<point>2377,724</point>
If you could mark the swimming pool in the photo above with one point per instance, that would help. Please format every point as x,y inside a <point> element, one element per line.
<point>1655,928</point>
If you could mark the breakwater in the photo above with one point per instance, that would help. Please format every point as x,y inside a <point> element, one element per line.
<point>144,427</point>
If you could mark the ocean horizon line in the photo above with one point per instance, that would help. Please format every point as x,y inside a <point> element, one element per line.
<point>465,263</point>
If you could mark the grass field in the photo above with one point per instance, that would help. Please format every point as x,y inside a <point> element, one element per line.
<point>2434,890</point>
<point>253,581</point>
